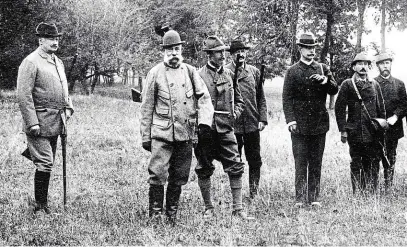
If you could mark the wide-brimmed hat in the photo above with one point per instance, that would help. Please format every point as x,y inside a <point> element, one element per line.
<point>171,38</point>
<point>307,39</point>
<point>45,30</point>
<point>362,56</point>
<point>236,45</point>
<point>213,43</point>
<point>384,56</point>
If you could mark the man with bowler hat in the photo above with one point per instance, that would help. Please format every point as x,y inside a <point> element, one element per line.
<point>306,86</point>
<point>254,117</point>
<point>175,103</point>
<point>395,100</point>
<point>42,93</point>
<point>353,117</point>
<point>219,141</point>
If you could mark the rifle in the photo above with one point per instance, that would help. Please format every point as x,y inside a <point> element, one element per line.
<point>261,82</point>
<point>237,65</point>
<point>63,143</point>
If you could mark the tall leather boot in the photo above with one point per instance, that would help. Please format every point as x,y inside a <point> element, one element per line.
<point>41,184</point>
<point>172,199</point>
<point>155,200</point>
<point>254,179</point>
<point>205,187</point>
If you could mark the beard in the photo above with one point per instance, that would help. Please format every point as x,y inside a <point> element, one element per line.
<point>173,61</point>
<point>385,73</point>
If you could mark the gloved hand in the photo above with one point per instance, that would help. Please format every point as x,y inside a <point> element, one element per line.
<point>34,130</point>
<point>147,145</point>
<point>344,137</point>
<point>319,78</point>
<point>293,129</point>
<point>204,133</point>
<point>392,120</point>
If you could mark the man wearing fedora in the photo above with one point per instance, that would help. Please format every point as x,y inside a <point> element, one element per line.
<point>175,103</point>
<point>355,124</point>
<point>219,141</point>
<point>395,100</point>
<point>254,117</point>
<point>306,86</point>
<point>42,93</point>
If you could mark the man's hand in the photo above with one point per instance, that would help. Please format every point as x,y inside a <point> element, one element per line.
<point>319,78</point>
<point>68,113</point>
<point>262,125</point>
<point>147,145</point>
<point>392,120</point>
<point>293,129</point>
<point>34,130</point>
<point>344,137</point>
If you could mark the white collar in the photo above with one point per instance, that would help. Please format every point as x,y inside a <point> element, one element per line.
<point>306,62</point>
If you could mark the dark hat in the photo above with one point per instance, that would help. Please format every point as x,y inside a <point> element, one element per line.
<point>307,39</point>
<point>384,56</point>
<point>237,45</point>
<point>213,43</point>
<point>362,56</point>
<point>171,38</point>
<point>46,30</point>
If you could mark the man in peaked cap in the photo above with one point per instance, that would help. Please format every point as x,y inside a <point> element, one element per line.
<point>354,123</point>
<point>175,103</point>
<point>395,100</point>
<point>42,93</point>
<point>218,141</point>
<point>306,86</point>
<point>254,117</point>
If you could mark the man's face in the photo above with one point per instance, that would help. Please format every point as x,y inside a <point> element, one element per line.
<point>217,57</point>
<point>307,52</point>
<point>384,67</point>
<point>361,67</point>
<point>49,45</point>
<point>242,53</point>
<point>173,55</point>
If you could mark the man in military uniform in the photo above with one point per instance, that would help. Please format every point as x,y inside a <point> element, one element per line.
<point>254,117</point>
<point>219,141</point>
<point>42,93</point>
<point>395,100</point>
<point>175,102</point>
<point>355,125</point>
<point>306,86</point>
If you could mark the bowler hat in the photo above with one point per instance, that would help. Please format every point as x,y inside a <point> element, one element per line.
<point>236,45</point>
<point>171,38</point>
<point>213,43</point>
<point>362,56</point>
<point>46,30</point>
<point>384,56</point>
<point>307,39</point>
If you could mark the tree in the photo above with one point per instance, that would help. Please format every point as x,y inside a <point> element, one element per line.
<point>361,5</point>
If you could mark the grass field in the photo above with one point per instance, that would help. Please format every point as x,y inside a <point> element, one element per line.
<point>107,189</point>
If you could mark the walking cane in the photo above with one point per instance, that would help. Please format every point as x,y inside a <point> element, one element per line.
<point>63,143</point>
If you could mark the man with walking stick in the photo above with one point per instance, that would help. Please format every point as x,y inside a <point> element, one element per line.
<point>45,106</point>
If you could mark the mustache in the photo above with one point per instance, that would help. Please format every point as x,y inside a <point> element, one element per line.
<point>362,70</point>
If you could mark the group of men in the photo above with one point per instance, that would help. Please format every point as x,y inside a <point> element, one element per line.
<point>217,111</point>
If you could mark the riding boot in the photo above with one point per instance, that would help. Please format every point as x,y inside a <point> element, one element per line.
<point>254,179</point>
<point>155,199</point>
<point>41,184</point>
<point>172,199</point>
<point>205,187</point>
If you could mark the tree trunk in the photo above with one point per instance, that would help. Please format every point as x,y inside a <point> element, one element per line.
<point>295,6</point>
<point>383,27</point>
<point>361,12</point>
<point>329,23</point>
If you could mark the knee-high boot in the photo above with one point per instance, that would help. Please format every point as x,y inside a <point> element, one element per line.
<point>155,199</point>
<point>41,184</point>
<point>172,199</point>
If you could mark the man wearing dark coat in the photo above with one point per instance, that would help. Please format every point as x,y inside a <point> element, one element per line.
<point>254,117</point>
<point>355,125</point>
<point>395,100</point>
<point>306,86</point>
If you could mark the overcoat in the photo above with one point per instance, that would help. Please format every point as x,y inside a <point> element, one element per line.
<point>255,109</point>
<point>395,101</point>
<point>225,97</point>
<point>168,110</point>
<point>42,92</point>
<point>304,100</point>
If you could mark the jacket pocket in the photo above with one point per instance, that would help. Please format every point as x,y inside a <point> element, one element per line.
<point>160,122</point>
<point>163,103</point>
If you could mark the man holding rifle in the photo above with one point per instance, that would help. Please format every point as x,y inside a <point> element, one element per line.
<point>254,117</point>
<point>363,100</point>
<point>42,93</point>
<point>219,141</point>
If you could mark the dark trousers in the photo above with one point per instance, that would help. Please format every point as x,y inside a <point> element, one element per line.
<point>308,151</point>
<point>251,144</point>
<point>391,152</point>
<point>364,166</point>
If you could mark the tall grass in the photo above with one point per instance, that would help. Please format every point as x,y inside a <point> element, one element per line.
<point>107,190</point>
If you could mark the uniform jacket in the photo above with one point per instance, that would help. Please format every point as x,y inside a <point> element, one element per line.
<point>304,101</point>
<point>357,123</point>
<point>395,101</point>
<point>224,97</point>
<point>255,109</point>
<point>42,92</point>
<point>168,110</point>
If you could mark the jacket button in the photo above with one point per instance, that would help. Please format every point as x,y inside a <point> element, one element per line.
<point>185,102</point>
<point>183,85</point>
<point>171,84</point>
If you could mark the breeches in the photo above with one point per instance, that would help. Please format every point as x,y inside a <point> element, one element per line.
<point>42,150</point>
<point>251,143</point>
<point>170,160</point>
